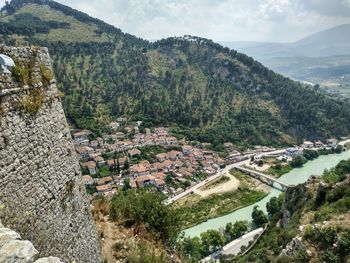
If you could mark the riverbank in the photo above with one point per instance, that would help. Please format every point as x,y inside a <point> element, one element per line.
<point>195,209</point>
<point>296,176</point>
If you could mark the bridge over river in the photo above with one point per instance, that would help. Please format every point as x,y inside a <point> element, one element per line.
<point>263,177</point>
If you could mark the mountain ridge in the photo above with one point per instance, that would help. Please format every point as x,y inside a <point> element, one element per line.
<point>330,42</point>
<point>207,92</point>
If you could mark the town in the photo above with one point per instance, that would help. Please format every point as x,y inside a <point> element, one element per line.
<point>126,158</point>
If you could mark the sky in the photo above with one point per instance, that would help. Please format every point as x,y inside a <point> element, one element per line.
<point>220,20</point>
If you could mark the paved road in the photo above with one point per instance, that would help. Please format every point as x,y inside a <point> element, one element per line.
<point>234,247</point>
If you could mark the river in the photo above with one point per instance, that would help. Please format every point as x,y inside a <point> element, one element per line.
<point>296,176</point>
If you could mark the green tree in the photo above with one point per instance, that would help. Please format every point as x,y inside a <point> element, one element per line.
<point>104,171</point>
<point>237,229</point>
<point>146,208</point>
<point>344,244</point>
<point>126,165</point>
<point>259,218</point>
<point>127,185</point>
<point>212,240</point>
<point>274,205</point>
<point>338,149</point>
<point>118,166</point>
<point>84,170</point>
<point>191,248</point>
<point>298,161</point>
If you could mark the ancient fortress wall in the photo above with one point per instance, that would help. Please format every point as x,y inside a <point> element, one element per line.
<point>41,195</point>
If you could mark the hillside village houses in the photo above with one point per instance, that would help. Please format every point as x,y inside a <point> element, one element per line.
<point>117,156</point>
<point>181,164</point>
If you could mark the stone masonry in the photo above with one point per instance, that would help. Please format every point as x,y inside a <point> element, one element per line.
<point>41,194</point>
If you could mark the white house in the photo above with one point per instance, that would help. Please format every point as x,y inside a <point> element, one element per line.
<point>332,142</point>
<point>307,144</point>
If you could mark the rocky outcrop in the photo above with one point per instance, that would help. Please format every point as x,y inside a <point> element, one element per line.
<point>15,250</point>
<point>294,247</point>
<point>41,194</point>
<point>295,197</point>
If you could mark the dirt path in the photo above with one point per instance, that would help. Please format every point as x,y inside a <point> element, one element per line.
<point>108,239</point>
<point>228,186</point>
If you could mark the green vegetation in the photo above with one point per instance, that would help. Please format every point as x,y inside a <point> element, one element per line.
<point>259,218</point>
<point>279,169</point>
<point>309,155</point>
<point>145,209</point>
<point>334,241</point>
<point>274,205</point>
<point>195,210</point>
<point>210,93</point>
<point>237,229</point>
<point>298,161</point>
<point>32,102</point>
<point>307,206</point>
<point>210,241</point>
<point>141,252</point>
<point>104,171</point>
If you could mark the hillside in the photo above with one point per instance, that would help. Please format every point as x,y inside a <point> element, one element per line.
<point>203,90</point>
<point>310,224</point>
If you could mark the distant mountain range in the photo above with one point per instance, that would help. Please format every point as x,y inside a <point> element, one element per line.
<point>323,57</point>
<point>330,42</point>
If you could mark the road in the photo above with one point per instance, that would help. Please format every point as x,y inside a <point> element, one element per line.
<point>224,171</point>
<point>199,185</point>
<point>234,247</point>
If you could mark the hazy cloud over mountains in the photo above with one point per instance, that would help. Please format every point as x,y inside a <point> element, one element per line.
<point>221,20</point>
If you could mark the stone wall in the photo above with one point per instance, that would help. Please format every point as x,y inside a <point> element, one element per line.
<point>41,194</point>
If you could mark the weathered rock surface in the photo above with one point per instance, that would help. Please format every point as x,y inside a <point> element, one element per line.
<point>41,194</point>
<point>14,250</point>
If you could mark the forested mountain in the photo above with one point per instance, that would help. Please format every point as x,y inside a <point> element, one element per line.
<point>209,92</point>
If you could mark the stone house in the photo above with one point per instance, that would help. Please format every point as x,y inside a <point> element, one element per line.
<point>319,144</point>
<point>105,189</point>
<point>91,166</point>
<point>161,157</point>
<point>105,180</point>
<point>144,180</point>
<point>171,140</point>
<point>307,145</point>
<point>134,152</point>
<point>87,180</point>
<point>332,142</point>
<point>84,152</point>
<point>100,161</point>
<point>186,149</point>
<point>174,155</point>
<point>81,136</point>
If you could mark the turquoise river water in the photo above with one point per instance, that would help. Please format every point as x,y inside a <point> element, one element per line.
<point>296,176</point>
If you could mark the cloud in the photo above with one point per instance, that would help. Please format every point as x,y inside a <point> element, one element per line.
<point>221,20</point>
